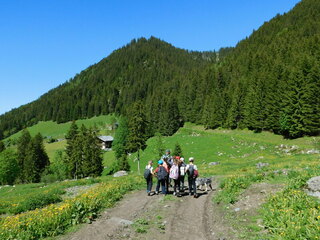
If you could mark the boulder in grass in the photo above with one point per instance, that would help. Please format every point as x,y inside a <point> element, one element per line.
<point>120,174</point>
<point>313,184</point>
<point>261,165</point>
<point>214,163</point>
<point>313,187</point>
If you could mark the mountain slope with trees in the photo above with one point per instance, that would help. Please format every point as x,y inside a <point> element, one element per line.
<point>269,81</point>
<point>135,72</point>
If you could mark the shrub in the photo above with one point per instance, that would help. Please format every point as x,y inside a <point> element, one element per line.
<point>9,169</point>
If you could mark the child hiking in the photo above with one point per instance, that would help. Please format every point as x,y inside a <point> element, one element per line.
<point>162,175</point>
<point>148,172</point>
<point>174,175</point>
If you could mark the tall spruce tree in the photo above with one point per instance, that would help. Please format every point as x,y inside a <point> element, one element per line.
<point>92,154</point>
<point>254,115</point>
<point>300,115</point>
<point>137,124</point>
<point>72,156</point>
<point>36,160</point>
<point>235,112</point>
<point>23,146</point>
<point>171,120</point>
<point>120,139</point>
<point>177,150</point>
<point>84,155</point>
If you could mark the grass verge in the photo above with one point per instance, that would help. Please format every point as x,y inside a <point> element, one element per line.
<point>56,218</point>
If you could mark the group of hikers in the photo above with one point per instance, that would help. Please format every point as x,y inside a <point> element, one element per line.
<point>171,171</point>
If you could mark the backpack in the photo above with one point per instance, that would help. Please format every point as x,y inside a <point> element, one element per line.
<point>162,173</point>
<point>174,172</point>
<point>183,170</point>
<point>191,171</point>
<point>195,174</point>
<point>147,173</point>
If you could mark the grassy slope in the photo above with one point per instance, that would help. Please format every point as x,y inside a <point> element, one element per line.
<point>235,150</point>
<point>55,130</point>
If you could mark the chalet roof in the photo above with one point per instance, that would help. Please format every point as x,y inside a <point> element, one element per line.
<point>106,138</point>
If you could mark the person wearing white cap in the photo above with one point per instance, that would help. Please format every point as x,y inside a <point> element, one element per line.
<point>192,171</point>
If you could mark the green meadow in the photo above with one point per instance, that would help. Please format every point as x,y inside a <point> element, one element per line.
<point>55,130</point>
<point>235,150</point>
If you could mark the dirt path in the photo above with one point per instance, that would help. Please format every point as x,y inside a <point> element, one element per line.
<point>139,216</point>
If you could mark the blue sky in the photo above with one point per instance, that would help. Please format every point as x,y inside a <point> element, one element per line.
<point>44,43</point>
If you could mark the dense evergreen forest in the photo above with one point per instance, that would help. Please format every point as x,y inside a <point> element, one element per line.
<point>269,81</point>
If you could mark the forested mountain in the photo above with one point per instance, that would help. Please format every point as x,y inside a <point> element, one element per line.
<point>270,81</point>
<point>142,70</point>
<point>272,77</point>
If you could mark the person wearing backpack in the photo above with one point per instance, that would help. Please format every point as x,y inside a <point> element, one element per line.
<point>167,157</point>
<point>162,175</point>
<point>182,174</point>
<point>148,172</point>
<point>174,175</point>
<point>192,172</point>
<point>167,166</point>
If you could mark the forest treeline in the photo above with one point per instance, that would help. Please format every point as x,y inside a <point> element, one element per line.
<point>269,81</point>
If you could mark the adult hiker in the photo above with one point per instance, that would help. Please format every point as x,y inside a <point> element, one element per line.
<point>167,157</point>
<point>182,174</point>
<point>192,171</point>
<point>148,172</point>
<point>167,167</point>
<point>162,174</point>
<point>174,175</point>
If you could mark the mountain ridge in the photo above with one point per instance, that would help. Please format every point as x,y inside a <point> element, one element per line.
<point>253,85</point>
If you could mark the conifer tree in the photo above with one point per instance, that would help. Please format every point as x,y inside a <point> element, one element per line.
<point>207,113</point>
<point>300,114</point>
<point>177,150</point>
<point>235,112</point>
<point>36,160</point>
<point>23,146</point>
<point>92,161</point>
<point>254,116</point>
<point>171,120</point>
<point>72,156</point>
<point>137,124</point>
<point>120,139</point>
